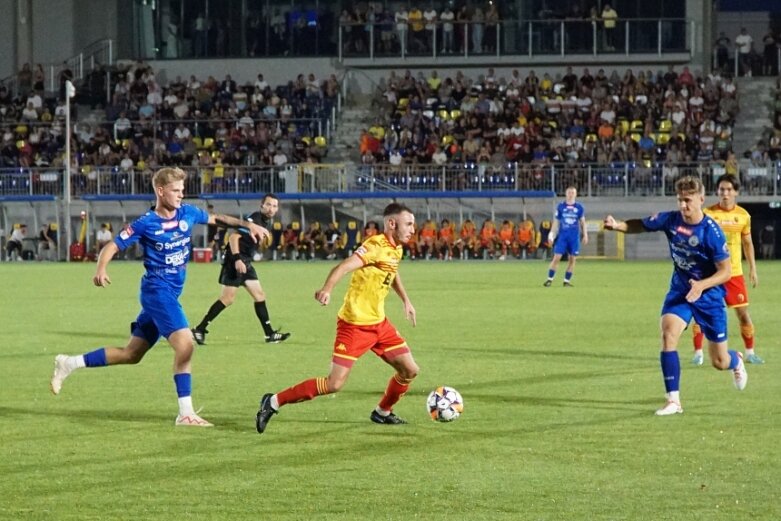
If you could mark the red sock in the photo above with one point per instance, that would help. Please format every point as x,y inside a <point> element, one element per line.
<point>747,332</point>
<point>697,337</point>
<point>397,386</point>
<point>303,391</point>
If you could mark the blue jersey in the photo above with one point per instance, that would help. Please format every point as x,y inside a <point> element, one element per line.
<point>695,250</point>
<point>569,216</point>
<point>166,244</point>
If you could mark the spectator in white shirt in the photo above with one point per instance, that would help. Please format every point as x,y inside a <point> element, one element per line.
<point>744,42</point>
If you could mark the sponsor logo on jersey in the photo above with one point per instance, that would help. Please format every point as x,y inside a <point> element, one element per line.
<point>694,241</point>
<point>170,225</point>
<point>341,347</point>
<point>159,246</point>
<point>184,226</point>
<point>159,232</point>
<point>683,230</point>
<point>177,258</point>
<point>126,233</point>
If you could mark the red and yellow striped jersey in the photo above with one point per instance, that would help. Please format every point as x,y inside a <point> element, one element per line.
<point>735,223</point>
<point>364,303</point>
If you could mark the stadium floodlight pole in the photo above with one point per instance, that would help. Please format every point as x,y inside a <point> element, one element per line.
<point>70,91</point>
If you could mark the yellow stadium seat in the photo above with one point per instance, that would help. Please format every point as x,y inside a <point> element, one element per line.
<point>198,142</point>
<point>636,136</point>
<point>321,141</point>
<point>662,138</point>
<point>455,114</point>
<point>22,130</point>
<point>591,137</point>
<point>208,142</point>
<point>403,103</point>
<point>215,154</point>
<point>20,144</point>
<point>665,125</point>
<point>636,125</point>
<point>307,140</point>
<point>623,126</point>
<point>443,114</point>
<point>447,140</point>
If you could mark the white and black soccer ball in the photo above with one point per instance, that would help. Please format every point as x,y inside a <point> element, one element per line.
<point>444,404</point>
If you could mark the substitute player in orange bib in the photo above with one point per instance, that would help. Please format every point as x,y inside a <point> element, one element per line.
<point>735,221</point>
<point>361,324</point>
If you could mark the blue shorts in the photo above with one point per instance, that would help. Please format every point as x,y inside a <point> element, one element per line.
<point>709,312</point>
<point>161,314</point>
<point>569,244</point>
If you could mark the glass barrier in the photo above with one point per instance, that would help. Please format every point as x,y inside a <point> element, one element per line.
<point>515,37</point>
<point>614,180</point>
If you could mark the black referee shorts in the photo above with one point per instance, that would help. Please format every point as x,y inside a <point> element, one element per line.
<point>230,277</point>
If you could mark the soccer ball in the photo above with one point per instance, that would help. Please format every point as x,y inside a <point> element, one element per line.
<point>444,404</point>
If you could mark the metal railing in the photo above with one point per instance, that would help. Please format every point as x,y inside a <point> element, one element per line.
<point>656,36</point>
<point>92,57</point>
<point>616,180</point>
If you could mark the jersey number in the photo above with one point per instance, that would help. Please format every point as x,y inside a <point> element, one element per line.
<point>387,280</point>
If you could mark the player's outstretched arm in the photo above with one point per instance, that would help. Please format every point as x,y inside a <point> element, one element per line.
<point>101,278</point>
<point>258,233</point>
<point>630,226</point>
<point>350,264</point>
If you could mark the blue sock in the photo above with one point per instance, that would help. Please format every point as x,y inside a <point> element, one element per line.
<point>734,359</point>
<point>96,358</point>
<point>551,274</point>
<point>671,370</point>
<point>184,384</point>
<point>567,276</point>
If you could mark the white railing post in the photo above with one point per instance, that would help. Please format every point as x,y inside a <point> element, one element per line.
<point>340,43</point>
<point>626,179</point>
<point>626,37</point>
<point>659,37</point>
<point>562,39</point>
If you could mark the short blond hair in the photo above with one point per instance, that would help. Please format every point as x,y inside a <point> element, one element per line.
<point>168,175</point>
<point>689,185</point>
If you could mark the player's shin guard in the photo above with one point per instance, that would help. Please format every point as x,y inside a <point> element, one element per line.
<point>747,332</point>
<point>261,311</point>
<point>697,337</point>
<point>397,387</point>
<point>671,370</point>
<point>214,310</point>
<point>96,358</point>
<point>303,391</point>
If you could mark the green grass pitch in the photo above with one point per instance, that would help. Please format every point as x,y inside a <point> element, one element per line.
<point>559,385</point>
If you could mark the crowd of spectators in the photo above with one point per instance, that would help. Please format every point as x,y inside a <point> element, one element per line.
<point>196,122</point>
<point>638,118</point>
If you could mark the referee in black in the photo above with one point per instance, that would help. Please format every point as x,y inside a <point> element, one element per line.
<point>237,271</point>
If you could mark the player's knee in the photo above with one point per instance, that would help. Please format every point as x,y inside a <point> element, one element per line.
<point>131,356</point>
<point>335,384</point>
<point>410,371</point>
<point>227,301</point>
